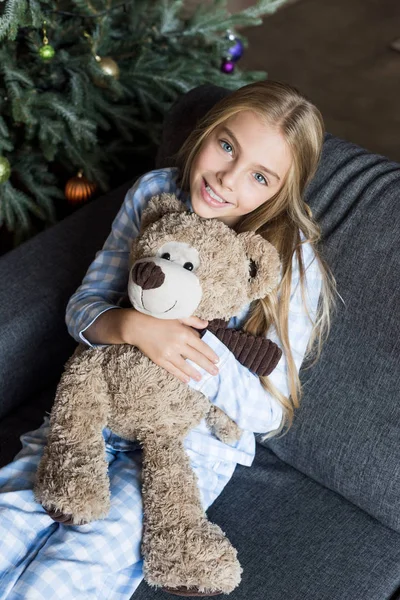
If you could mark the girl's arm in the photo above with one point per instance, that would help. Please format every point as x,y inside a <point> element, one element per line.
<point>105,282</point>
<point>240,393</point>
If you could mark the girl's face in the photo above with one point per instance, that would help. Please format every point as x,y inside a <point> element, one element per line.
<point>239,167</point>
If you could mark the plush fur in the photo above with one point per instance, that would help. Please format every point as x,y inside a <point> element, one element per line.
<point>117,386</point>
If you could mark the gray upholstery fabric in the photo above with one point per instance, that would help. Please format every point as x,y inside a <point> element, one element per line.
<point>25,417</point>
<point>347,431</point>
<point>297,540</point>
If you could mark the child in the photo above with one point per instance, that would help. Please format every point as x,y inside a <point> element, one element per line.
<point>220,174</point>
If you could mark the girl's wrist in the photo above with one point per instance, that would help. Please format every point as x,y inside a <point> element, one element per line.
<point>132,326</point>
<point>108,328</point>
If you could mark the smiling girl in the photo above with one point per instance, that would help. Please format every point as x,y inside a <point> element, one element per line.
<point>225,175</point>
<point>247,163</point>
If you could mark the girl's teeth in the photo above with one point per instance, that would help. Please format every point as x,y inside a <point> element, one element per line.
<point>213,195</point>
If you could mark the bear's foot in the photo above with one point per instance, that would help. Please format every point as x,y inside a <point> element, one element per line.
<point>67,514</point>
<point>189,592</point>
<point>73,501</point>
<point>201,561</point>
<point>60,517</point>
<point>72,492</point>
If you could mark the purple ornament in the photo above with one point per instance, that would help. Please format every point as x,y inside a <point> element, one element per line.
<point>236,51</point>
<point>227,66</point>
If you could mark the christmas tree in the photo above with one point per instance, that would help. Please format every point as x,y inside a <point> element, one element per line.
<point>85,84</point>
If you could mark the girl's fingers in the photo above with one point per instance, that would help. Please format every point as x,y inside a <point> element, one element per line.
<point>201,360</point>
<point>204,349</point>
<point>176,372</point>
<point>194,322</point>
<point>187,369</point>
<point>181,369</point>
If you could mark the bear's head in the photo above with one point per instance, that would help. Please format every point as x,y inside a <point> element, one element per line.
<point>183,265</point>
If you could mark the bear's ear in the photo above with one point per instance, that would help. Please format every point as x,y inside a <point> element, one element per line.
<point>159,206</point>
<point>264,265</point>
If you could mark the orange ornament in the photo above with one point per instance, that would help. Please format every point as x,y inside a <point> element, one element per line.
<point>79,189</point>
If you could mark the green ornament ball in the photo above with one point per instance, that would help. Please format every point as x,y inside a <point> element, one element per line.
<point>5,169</point>
<point>46,52</point>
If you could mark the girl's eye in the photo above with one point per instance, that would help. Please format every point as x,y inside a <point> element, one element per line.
<point>225,146</point>
<point>262,178</point>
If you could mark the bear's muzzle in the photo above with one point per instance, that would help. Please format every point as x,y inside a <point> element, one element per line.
<point>148,275</point>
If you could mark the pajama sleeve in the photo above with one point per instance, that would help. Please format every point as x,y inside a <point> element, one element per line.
<point>238,392</point>
<point>106,280</point>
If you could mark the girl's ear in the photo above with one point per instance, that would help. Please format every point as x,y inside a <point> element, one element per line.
<point>159,206</point>
<point>264,265</point>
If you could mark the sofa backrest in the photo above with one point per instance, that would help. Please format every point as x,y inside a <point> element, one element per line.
<point>346,433</point>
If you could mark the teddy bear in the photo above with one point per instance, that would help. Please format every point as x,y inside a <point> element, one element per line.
<point>180,265</point>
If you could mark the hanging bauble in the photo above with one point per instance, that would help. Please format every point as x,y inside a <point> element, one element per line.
<point>233,53</point>
<point>5,169</point>
<point>46,52</point>
<point>236,51</point>
<point>227,66</point>
<point>79,189</point>
<point>108,66</point>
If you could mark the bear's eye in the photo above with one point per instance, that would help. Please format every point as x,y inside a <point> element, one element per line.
<point>252,269</point>
<point>166,255</point>
<point>189,266</point>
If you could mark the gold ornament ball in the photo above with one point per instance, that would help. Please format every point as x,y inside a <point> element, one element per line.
<point>79,189</point>
<point>5,169</point>
<point>47,52</point>
<point>108,66</point>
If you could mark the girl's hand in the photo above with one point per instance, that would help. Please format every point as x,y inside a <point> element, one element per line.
<point>169,342</point>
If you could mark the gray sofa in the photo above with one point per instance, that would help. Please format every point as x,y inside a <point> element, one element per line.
<point>317,517</point>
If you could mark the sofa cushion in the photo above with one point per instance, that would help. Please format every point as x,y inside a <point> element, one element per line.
<point>346,433</point>
<point>26,417</point>
<point>297,540</point>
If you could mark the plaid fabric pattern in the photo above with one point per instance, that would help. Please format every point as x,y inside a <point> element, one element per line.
<point>40,559</point>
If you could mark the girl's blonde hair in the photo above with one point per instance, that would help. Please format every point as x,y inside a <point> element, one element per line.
<point>281,218</point>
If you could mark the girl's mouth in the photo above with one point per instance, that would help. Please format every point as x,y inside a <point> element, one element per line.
<point>210,197</point>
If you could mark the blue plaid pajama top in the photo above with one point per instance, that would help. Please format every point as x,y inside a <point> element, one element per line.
<point>235,390</point>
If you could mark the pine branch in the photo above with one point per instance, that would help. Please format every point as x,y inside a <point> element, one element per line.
<point>205,21</point>
<point>6,213</point>
<point>51,134</point>
<point>10,20</point>
<point>15,207</point>
<point>36,13</point>
<point>82,130</point>
<point>44,195</point>
<point>169,20</point>
<point>5,141</point>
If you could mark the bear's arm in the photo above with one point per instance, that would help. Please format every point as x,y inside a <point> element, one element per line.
<point>255,352</point>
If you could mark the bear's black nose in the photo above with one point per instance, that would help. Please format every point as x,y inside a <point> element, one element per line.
<point>147,275</point>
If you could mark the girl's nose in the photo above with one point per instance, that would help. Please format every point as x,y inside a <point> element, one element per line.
<point>226,179</point>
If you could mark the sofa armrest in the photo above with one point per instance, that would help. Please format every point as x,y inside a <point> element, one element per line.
<point>38,279</point>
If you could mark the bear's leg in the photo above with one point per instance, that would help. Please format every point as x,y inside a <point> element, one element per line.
<point>183,552</point>
<point>72,481</point>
